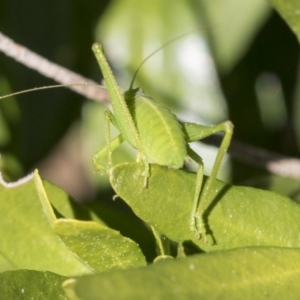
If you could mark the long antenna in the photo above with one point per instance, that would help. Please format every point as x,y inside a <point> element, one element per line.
<point>51,87</point>
<point>155,51</point>
<point>51,70</point>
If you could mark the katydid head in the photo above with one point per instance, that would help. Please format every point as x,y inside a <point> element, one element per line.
<point>131,93</point>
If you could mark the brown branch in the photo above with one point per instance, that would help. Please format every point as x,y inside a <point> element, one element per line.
<point>272,162</point>
<point>52,70</point>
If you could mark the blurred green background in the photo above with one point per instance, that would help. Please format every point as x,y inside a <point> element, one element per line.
<point>238,62</point>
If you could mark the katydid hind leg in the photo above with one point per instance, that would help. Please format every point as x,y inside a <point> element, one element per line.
<point>205,191</point>
<point>205,198</point>
<point>196,220</point>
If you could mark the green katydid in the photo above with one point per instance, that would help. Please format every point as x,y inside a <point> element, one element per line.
<point>158,135</point>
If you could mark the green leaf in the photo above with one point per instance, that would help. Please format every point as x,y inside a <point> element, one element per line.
<point>249,273</point>
<point>103,213</point>
<point>65,206</point>
<point>119,216</point>
<point>238,216</point>
<point>28,284</point>
<point>282,185</point>
<point>290,11</point>
<point>27,240</point>
<point>100,247</point>
<point>5,265</point>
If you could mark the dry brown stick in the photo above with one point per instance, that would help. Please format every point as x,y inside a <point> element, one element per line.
<point>52,70</point>
<point>272,162</point>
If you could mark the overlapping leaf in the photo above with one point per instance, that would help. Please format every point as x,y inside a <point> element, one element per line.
<point>290,11</point>
<point>100,247</point>
<point>27,239</point>
<point>249,273</point>
<point>29,284</point>
<point>33,238</point>
<point>237,217</point>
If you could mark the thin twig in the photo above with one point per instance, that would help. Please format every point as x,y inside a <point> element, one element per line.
<point>270,161</point>
<point>274,163</point>
<point>52,70</point>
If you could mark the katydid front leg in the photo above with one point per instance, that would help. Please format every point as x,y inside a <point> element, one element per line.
<point>122,117</point>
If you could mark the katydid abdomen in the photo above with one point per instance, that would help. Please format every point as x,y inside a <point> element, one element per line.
<point>159,130</point>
